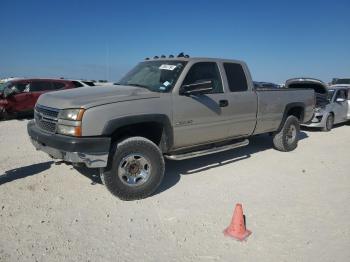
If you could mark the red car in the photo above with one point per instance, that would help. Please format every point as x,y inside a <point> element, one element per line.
<point>18,97</point>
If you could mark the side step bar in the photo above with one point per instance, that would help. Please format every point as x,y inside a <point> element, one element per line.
<point>207,151</point>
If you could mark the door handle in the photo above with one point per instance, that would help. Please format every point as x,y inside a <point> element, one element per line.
<point>223,103</point>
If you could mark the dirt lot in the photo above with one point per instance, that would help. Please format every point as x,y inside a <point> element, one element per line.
<point>296,205</point>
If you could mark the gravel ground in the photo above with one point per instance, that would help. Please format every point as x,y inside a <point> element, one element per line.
<point>296,204</point>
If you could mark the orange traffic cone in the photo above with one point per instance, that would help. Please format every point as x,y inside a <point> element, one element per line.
<point>237,228</point>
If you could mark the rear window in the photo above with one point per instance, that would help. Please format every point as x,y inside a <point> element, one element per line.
<point>77,84</point>
<point>89,83</point>
<point>58,85</point>
<point>37,86</point>
<point>236,78</point>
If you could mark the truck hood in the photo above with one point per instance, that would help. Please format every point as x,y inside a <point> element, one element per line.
<point>86,97</point>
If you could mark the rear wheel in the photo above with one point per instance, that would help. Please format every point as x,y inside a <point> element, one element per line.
<point>136,169</point>
<point>3,114</point>
<point>329,123</point>
<point>287,138</point>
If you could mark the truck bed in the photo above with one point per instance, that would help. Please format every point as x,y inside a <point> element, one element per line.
<point>272,104</point>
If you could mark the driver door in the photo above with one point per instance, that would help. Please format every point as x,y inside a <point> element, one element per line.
<point>20,100</point>
<point>199,119</point>
<point>341,107</point>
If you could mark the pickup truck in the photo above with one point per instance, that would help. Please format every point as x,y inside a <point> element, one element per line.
<point>175,108</point>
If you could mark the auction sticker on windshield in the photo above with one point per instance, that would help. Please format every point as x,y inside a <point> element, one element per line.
<point>167,67</point>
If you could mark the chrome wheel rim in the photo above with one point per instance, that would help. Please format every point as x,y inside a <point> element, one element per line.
<point>134,170</point>
<point>291,134</point>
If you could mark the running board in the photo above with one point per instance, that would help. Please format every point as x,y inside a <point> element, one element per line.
<point>207,151</point>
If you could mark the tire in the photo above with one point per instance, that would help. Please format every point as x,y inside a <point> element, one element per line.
<point>329,123</point>
<point>287,138</point>
<point>3,114</point>
<point>135,170</point>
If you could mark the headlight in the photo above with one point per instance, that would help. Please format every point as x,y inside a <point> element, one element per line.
<point>69,122</point>
<point>71,114</point>
<point>69,130</point>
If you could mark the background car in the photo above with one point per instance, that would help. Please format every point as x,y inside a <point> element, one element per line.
<point>265,85</point>
<point>83,83</point>
<point>18,97</point>
<point>341,81</point>
<point>336,111</point>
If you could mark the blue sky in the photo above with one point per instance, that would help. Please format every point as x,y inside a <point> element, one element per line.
<point>104,39</point>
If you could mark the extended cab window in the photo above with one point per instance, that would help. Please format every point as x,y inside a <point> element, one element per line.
<point>236,78</point>
<point>38,86</point>
<point>205,71</point>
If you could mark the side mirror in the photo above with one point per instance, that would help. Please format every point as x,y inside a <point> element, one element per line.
<point>199,88</point>
<point>340,100</point>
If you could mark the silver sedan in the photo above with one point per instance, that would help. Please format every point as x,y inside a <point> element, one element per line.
<point>336,111</point>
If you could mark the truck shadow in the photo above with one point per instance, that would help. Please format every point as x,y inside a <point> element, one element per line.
<point>25,171</point>
<point>176,169</point>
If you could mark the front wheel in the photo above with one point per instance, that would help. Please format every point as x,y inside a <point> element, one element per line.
<point>329,123</point>
<point>136,169</point>
<point>287,138</point>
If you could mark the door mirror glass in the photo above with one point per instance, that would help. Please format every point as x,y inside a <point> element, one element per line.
<point>198,88</point>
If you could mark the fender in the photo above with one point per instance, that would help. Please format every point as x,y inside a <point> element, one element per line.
<point>288,108</point>
<point>167,139</point>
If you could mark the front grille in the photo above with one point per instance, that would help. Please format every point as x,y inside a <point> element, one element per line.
<point>46,118</point>
<point>47,111</point>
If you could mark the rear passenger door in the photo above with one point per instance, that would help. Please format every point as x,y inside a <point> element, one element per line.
<point>242,102</point>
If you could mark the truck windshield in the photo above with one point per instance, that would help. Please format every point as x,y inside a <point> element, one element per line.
<point>156,76</point>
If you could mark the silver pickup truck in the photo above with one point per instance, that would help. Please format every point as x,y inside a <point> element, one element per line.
<point>176,107</point>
